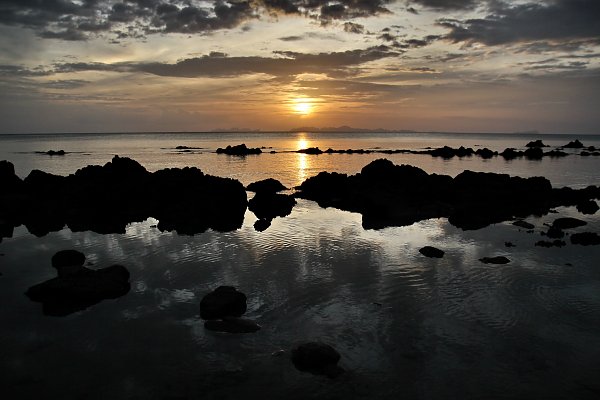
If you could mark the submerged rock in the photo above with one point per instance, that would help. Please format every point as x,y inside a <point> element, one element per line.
<point>79,290</point>
<point>267,205</point>
<point>495,260</point>
<point>567,223</point>
<point>232,325</point>
<point>224,301</point>
<point>585,238</point>
<point>317,358</point>
<point>554,233</point>
<point>432,252</point>
<point>310,150</point>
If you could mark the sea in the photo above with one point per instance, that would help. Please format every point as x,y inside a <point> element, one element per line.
<point>406,326</point>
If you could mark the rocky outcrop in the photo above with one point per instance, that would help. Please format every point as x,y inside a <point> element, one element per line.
<point>535,143</point>
<point>239,150</point>
<point>567,223</point>
<point>267,206</point>
<point>585,238</point>
<point>80,289</point>
<point>574,144</point>
<point>269,185</point>
<point>106,198</point>
<point>588,207</point>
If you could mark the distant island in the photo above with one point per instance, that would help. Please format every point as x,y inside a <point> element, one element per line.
<point>347,129</point>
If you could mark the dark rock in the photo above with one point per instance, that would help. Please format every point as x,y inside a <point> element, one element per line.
<point>224,301</point>
<point>567,223</point>
<point>555,233</point>
<point>269,185</point>
<point>65,295</point>
<point>535,143</point>
<point>588,207</point>
<point>317,358</point>
<point>486,153</point>
<point>547,243</point>
<point>56,153</point>
<point>262,224</point>
<point>310,150</point>
<point>267,205</point>
<point>495,260</point>
<point>509,244</point>
<point>585,238</point>
<point>232,325</point>
<point>555,153</point>
<point>575,144</point>
<point>534,153</point>
<point>510,154</point>
<point>523,224</point>
<point>68,262</point>
<point>239,150</point>
<point>432,252</point>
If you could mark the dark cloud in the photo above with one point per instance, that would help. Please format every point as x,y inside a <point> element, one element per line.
<point>444,4</point>
<point>352,27</point>
<point>552,20</point>
<point>286,64</point>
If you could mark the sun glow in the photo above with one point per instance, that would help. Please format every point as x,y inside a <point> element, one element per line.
<point>302,106</point>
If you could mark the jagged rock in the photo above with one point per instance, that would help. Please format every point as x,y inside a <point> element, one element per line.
<point>232,325</point>
<point>317,358</point>
<point>432,252</point>
<point>567,223</point>
<point>495,260</point>
<point>239,150</point>
<point>269,185</point>
<point>575,144</point>
<point>585,238</point>
<point>535,143</point>
<point>588,207</point>
<point>486,153</point>
<point>523,224</point>
<point>224,301</point>
<point>79,290</point>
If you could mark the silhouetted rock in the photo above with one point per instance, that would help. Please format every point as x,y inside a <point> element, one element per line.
<point>555,154</point>
<point>68,262</point>
<point>262,224</point>
<point>267,205</point>
<point>575,144</point>
<point>239,150</point>
<point>534,153</point>
<point>317,358</point>
<point>432,252</point>
<point>523,224</point>
<point>585,238</point>
<point>232,325</point>
<point>567,223</point>
<point>510,154</point>
<point>554,233</point>
<point>554,243</point>
<point>588,207</point>
<point>77,291</point>
<point>535,143</point>
<point>509,244</point>
<point>486,153</point>
<point>310,150</point>
<point>224,301</point>
<point>56,152</point>
<point>269,185</point>
<point>495,260</point>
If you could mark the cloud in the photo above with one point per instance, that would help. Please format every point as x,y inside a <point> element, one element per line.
<point>352,27</point>
<point>444,4</point>
<point>560,20</point>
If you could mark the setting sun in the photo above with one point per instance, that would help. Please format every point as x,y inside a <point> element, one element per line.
<point>302,106</point>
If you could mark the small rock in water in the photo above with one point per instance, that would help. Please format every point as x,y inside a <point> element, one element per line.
<point>262,224</point>
<point>224,301</point>
<point>568,223</point>
<point>232,325</point>
<point>523,224</point>
<point>432,252</point>
<point>554,233</point>
<point>585,238</point>
<point>495,260</point>
<point>317,358</point>
<point>588,207</point>
<point>68,262</point>
<point>509,244</point>
<point>554,243</point>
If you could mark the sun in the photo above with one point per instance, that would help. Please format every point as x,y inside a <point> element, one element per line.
<point>302,106</point>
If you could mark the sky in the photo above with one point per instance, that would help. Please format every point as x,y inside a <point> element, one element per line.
<point>196,65</point>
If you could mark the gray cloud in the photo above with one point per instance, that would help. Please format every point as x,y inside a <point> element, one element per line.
<point>444,4</point>
<point>352,27</point>
<point>552,20</point>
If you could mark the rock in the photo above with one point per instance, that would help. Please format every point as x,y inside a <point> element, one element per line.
<point>588,207</point>
<point>317,358</point>
<point>535,143</point>
<point>68,262</point>
<point>509,244</point>
<point>262,225</point>
<point>432,252</point>
<point>575,144</point>
<point>495,260</point>
<point>585,238</point>
<point>523,224</point>
<point>269,185</point>
<point>224,301</point>
<point>554,243</point>
<point>534,153</point>
<point>232,325</point>
<point>486,153</point>
<point>555,154</point>
<point>56,153</point>
<point>239,150</point>
<point>67,294</point>
<point>555,233</point>
<point>267,205</point>
<point>567,223</point>
<point>310,150</point>
<point>510,154</point>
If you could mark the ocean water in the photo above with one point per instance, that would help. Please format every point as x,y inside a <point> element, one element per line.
<point>405,325</point>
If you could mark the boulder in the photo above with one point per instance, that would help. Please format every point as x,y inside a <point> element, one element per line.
<point>267,205</point>
<point>79,290</point>
<point>534,153</point>
<point>269,185</point>
<point>554,233</point>
<point>224,301</point>
<point>585,238</point>
<point>432,252</point>
<point>317,358</point>
<point>567,223</point>
<point>239,150</point>
<point>574,144</point>
<point>232,325</point>
<point>588,207</point>
<point>68,262</point>
<point>495,260</point>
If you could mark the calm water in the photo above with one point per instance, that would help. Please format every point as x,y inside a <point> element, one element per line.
<point>406,326</point>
